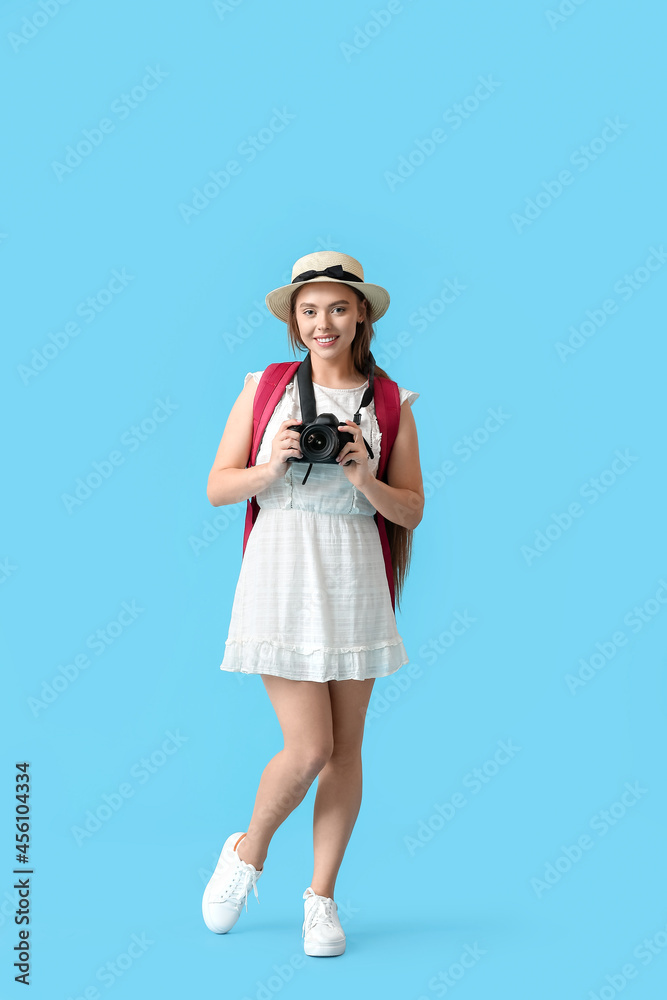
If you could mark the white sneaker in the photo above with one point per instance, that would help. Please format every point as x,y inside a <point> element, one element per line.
<point>322,931</point>
<point>227,889</point>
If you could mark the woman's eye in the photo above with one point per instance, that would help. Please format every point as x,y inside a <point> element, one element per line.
<point>336,308</point>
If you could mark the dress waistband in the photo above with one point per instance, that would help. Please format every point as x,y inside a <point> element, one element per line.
<point>319,513</point>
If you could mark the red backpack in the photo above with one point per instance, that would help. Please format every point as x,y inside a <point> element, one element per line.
<point>387,410</point>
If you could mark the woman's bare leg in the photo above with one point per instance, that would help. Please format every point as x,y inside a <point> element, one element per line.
<point>339,784</point>
<point>303,709</point>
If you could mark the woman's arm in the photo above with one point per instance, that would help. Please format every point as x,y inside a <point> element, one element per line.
<point>229,480</point>
<point>401,498</point>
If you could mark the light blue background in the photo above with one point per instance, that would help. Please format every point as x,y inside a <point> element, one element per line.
<point>173,333</point>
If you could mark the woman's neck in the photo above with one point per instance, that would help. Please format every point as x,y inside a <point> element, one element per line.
<point>339,376</point>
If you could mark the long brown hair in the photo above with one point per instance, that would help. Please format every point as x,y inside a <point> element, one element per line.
<point>399,537</point>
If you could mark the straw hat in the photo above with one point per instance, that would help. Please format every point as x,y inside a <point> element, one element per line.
<point>328,265</point>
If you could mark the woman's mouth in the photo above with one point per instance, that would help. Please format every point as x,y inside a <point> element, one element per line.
<point>325,341</point>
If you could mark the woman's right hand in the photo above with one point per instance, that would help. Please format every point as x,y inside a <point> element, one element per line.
<point>285,445</point>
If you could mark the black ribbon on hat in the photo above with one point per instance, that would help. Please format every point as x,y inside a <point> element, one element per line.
<point>333,271</point>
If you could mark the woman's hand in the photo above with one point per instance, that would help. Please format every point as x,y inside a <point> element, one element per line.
<point>285,445</point>
<point>353,457</point>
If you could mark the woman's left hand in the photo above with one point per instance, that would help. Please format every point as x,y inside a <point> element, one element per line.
<point>353,457</point>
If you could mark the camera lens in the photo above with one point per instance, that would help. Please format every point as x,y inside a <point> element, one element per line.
<point>316,442</point>
<point>320,442</point>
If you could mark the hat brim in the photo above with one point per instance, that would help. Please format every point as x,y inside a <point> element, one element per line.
<point>278,299</point>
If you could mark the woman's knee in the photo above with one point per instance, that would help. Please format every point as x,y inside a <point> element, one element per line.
<point>310,758</point>
<point>347,752</point>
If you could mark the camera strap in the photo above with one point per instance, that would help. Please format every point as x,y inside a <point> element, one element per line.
<point>304,376</point>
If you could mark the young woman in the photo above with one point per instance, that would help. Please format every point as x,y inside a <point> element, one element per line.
<point>313,610</point>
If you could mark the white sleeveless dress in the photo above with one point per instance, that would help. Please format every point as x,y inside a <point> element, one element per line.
<point>312,600</point>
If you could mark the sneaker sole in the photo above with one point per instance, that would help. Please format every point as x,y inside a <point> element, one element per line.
<point>324,950</point>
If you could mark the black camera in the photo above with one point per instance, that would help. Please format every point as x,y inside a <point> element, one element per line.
<point>320,440</point>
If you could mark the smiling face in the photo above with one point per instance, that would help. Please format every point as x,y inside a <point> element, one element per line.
<point>325,310</point>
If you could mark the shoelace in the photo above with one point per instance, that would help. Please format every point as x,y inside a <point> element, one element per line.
<point>241,880</point>
<point>321,910</point>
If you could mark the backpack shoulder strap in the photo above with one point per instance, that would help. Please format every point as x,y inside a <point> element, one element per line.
<point>271,386</point>
<point>388,412</point>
